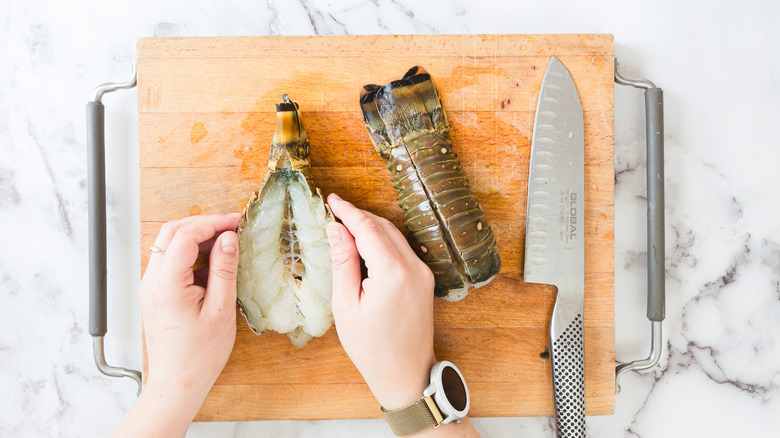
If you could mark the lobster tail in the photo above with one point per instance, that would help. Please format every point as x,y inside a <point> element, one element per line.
<point>448,230</point>
<point>283,281</point>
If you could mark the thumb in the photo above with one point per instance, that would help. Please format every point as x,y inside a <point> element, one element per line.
<point>223,268</point>
<point>345,260</point>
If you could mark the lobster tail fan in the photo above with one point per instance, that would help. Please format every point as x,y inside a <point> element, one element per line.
<point>289,127</point>
<point>368,106</point>
<point>290,146</point>
<point>374,124</point>
<point>422,85</point>
<point>402,110</point>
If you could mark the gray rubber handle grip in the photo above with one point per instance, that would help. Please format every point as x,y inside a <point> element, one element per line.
<point>656,289</point>
<point>96,186</point>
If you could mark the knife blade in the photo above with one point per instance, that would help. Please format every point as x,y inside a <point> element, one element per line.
<point>554,245</point>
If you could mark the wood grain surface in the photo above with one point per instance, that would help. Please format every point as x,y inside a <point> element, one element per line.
<point>206,120</point>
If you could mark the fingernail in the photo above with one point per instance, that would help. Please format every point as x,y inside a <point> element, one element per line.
<point>335,196</point>
<point>234,215</point>
<point>228,242</point>
<point>334,234</point>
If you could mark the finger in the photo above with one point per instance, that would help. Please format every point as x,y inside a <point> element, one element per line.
<point>163,239</point>
<point>346,267</point>
<point>183,250</point>
<point>169,229</point>
<point>371,240</point>
<point>223,268</point>
<point>395,236</point>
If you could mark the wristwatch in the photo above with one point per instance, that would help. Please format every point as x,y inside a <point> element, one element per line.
<point>446,399</point>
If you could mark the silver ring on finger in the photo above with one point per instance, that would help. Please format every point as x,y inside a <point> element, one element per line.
<point>156,249</point>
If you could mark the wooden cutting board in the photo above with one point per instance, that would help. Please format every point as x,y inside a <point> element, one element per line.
<point>206,119</point>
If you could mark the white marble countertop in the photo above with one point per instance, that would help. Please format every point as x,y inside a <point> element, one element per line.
<point>717,62</point>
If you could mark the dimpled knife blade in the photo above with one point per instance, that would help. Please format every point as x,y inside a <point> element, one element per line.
<point>554,240</point>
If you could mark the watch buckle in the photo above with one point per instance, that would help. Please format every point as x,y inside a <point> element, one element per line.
<point>438,418</point>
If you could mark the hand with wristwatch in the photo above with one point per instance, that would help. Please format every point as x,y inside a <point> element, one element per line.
<point>385,324</point>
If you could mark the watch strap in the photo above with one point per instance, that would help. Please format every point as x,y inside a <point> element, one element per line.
<point>415,418</point>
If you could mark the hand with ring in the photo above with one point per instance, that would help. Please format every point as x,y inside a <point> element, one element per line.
<point>189,320</point>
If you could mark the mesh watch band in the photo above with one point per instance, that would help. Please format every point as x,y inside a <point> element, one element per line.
<point>415,418</point>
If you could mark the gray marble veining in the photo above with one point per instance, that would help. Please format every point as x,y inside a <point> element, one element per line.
<point>720,372</point>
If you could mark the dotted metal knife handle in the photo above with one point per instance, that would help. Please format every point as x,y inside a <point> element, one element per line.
<point>569,381</point>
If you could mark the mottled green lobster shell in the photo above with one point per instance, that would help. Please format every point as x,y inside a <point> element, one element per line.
<point>408,127</point>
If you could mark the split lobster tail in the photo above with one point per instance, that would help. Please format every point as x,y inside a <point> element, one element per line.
<point>407,125</point>
<point>284,268</point>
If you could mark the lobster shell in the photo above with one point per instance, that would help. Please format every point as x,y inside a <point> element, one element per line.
<point>408,127</point>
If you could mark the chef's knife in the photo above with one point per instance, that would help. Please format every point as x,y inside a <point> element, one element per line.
<point>554,247</point>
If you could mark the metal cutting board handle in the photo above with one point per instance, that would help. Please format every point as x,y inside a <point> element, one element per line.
<point>96,183</point>
<point>656,267</point>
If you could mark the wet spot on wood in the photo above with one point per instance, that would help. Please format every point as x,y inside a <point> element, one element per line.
<point>195,210</point>
<point>161,140</point>
<point>468,74</point>
<point>257,131</point>
<point>198,132</point>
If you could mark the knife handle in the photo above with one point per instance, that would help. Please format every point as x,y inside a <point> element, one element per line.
<point>654,115</point>
<point>568,373</point>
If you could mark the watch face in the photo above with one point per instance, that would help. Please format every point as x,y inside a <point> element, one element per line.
<point>454,388</point>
